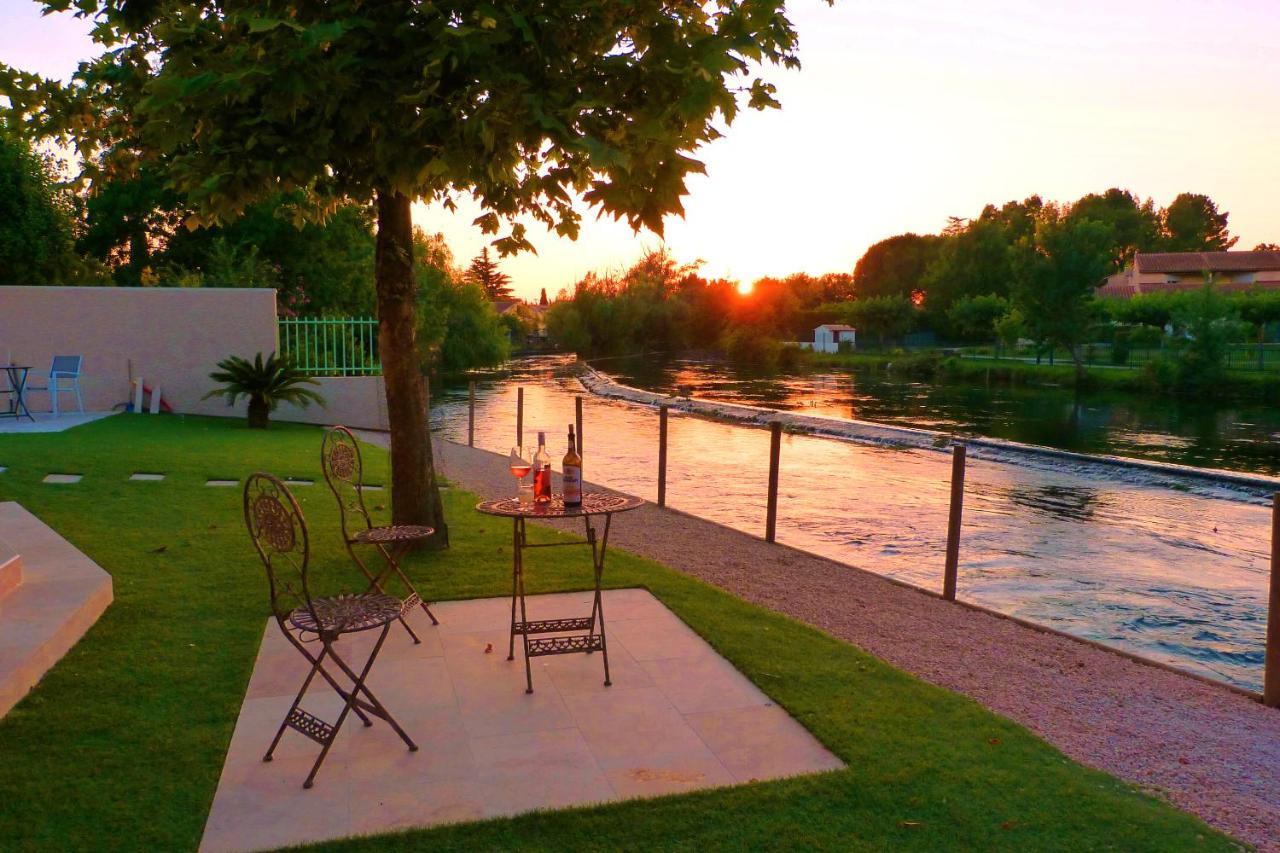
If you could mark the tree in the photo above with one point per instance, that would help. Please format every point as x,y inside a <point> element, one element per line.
<point>458,327</point>
<point>1135,224</point>
<point>484,273</point>
<point>36,238</point>
<point>974,317</point>
<point>1267,247</point>
<point>527,107</point>
<point>542,299</point>
<point>895,266</point>
<point>1192,223</point>
<point>1055,273</point>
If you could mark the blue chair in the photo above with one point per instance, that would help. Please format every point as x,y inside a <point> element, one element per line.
<point>64,377</point>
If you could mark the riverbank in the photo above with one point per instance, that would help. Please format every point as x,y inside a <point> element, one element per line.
<point>1206,748</point>
<point>937,366</point>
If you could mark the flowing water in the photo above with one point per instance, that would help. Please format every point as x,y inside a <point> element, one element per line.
<point>1170,568</point>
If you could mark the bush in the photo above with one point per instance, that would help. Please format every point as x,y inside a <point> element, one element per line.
<point>750,348</point>
<point>1120,347</point>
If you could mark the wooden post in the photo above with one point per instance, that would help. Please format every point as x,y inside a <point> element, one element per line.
<point>1271,676</point>
<point>662,455</point>
<point>577,406</point>
<point>471,414</point>
<point>953,522</point>
<point>775,450</point>
<point>520,416</point>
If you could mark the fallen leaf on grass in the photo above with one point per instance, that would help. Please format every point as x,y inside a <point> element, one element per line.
<point>909,824</point>
<point>160,550</point>
<point>993,741</point>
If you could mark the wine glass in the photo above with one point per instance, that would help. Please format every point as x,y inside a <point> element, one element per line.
<point>520,467</point>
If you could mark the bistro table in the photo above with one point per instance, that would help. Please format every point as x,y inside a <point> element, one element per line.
<point>569,638</point>
<point>17,374</point>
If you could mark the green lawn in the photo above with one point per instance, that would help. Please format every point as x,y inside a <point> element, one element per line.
<point>121,745</point>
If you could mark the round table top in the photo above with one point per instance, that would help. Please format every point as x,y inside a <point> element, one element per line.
<point>593,503</point>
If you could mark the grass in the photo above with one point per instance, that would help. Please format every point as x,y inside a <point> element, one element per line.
<point>933,365</point>
<point>121,745</point>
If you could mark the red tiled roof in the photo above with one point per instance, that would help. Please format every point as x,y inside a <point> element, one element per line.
<point>1193,262</point>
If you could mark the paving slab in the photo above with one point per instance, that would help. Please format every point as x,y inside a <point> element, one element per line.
<point>678,718</point>
<point>145,477</point>
<point>62,479</point>
<point>222,484</point>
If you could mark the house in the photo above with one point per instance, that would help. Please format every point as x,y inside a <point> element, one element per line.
<point>1163,272</point>
<point>829,336</point>
<point>531,315</point>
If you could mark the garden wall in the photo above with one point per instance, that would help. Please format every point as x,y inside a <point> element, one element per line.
<point>171,336</point>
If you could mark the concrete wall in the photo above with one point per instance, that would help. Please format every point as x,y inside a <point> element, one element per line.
<point>359,402</point>
<point>172,336</point>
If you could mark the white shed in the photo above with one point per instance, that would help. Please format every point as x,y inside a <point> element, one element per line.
<point>829,336</point>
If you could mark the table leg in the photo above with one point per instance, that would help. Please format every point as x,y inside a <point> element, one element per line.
<point>515,583</point>
<point>597,605</point>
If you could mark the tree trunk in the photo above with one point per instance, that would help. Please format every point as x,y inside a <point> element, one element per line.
<point>259,412</point>
<point>415,497</point>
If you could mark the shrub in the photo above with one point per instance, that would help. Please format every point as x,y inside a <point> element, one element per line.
<point>267,384</point>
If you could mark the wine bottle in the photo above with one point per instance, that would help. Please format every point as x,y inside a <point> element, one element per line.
<point>572,473</point>
<point>542,472</point>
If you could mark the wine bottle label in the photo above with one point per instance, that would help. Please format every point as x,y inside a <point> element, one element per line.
<point>572,485</point>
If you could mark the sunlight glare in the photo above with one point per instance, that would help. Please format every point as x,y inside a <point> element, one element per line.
<point>745,287</point>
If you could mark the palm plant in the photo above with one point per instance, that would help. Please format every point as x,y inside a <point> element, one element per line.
<point>266,384</point>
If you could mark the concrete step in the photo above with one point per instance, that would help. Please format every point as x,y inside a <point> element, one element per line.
<point>61,595</point>
<point>10,569</point>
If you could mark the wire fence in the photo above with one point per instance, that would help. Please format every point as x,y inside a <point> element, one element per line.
<point>1256,357</point>
<point>332,346</point>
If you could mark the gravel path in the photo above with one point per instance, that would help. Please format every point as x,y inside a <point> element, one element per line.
<point>1206,749</point>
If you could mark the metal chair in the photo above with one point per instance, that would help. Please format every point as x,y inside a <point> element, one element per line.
<point>64,367</point>
<point>279,533</point>
<point>344,472</point>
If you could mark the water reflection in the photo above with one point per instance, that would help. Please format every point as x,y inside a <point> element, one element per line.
<point>1176,574</point>
<point>1236,436</point>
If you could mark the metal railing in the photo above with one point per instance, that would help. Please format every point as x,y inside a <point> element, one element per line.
<point>332,346</point>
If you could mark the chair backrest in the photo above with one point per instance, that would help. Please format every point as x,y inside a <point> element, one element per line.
<point>279,532</point>
<point>344,472</point>
<point>66,365</point>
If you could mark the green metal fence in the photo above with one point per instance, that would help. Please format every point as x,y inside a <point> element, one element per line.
<point>332,346</point>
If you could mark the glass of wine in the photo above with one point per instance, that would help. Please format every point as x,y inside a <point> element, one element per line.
<point>520,468</point>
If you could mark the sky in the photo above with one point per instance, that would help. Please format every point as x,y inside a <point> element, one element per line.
<point>906,112</point>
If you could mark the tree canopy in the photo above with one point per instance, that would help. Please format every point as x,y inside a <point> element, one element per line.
<point>484,273</point>
<point>36,235</point>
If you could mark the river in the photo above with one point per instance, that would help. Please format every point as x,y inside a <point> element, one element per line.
<point>1174,569</point>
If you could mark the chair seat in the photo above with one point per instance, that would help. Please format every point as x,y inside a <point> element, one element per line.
<point>346,614</point>
<point>393,533</point>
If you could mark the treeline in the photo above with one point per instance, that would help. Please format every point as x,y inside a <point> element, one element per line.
<point>1023,270</point>
<point>130,231</point>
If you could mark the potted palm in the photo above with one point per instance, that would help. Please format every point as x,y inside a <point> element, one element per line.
<point>266,384</point>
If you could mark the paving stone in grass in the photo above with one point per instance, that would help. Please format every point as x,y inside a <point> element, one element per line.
<point>145,476</point>
<point>3,469</point>
<point>222,483</point>
<point>62,479</point>
<point>290,481</point>
<point>368,487</point>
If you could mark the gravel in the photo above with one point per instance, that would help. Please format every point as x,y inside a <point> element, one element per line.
<point>1204,748</point>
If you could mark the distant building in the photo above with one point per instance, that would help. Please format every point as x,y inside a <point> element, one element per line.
<point>1164,272</point>
<point>829,337</point>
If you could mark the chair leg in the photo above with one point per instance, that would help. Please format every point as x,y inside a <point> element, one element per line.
<point>375,583</point>
<point>53,394</point>
<point>79,399</point>
<point>297,700</point>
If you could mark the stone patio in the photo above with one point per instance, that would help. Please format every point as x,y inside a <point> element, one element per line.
<point>678,718</point>
<point>46,422</point>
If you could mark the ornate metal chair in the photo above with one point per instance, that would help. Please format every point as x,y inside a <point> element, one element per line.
<point>279,532</point>
<point>344,472</point>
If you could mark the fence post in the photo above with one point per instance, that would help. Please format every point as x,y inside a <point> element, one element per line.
<point>775,450</point>
<point>577,406</point>
<point>953,522</point>
<point>471,414</point>
<point>520,416</point>
<point>662,455</point>
<point>1271,676</point>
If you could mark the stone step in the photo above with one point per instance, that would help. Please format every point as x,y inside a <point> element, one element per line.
<point>61,596</point>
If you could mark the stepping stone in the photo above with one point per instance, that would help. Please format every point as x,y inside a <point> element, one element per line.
<point>369,488</point>
<point>62,478</point>
<point>290,481</point>
<point>222,483</point>
<point>3,469</point>
<point>145,477</point>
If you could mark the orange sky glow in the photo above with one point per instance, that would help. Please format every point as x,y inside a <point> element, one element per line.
<point>906,113</point>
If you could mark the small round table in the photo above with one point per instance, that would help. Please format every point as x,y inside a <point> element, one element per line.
<point>565,641</point>
<point>17,374</point>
